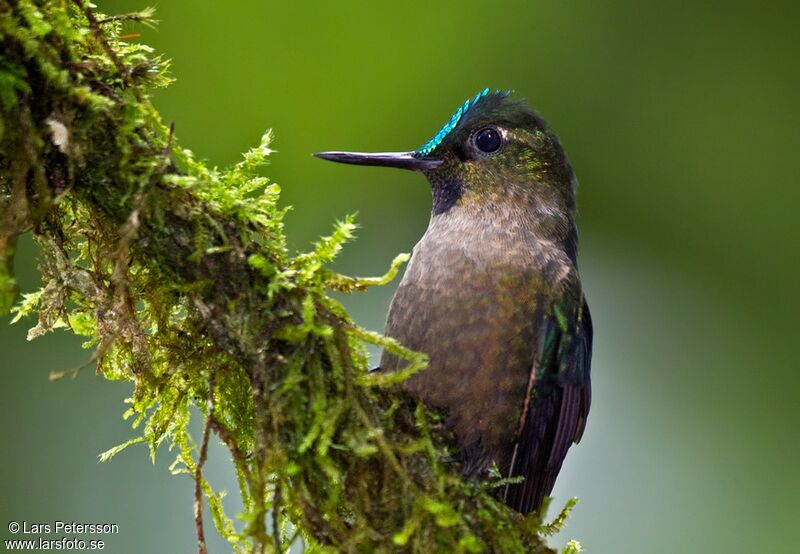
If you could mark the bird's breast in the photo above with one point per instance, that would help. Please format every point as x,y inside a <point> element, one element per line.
<point>470,299</point>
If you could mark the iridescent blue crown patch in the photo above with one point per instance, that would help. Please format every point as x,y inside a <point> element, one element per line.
<point>448,127</point>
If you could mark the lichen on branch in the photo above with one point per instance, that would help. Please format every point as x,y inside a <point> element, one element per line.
<point>179,277</point>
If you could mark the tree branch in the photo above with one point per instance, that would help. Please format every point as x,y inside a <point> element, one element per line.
<point>178,272</point>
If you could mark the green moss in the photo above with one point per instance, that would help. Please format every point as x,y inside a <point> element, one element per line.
<point>179,277</point>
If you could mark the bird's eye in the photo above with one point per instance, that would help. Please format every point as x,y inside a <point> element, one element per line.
<point>488,140</point>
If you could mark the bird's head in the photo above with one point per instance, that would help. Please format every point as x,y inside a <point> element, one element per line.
<point>494,149</point>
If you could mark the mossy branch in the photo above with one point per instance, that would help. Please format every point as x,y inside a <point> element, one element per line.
<point>179,277</point>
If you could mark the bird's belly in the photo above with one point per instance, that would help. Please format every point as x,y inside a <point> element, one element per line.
<point>476,321</point>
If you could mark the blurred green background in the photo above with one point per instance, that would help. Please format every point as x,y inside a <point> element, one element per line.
<point>681,120</point>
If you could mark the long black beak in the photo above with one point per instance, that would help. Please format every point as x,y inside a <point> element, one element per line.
<point>403,160</point>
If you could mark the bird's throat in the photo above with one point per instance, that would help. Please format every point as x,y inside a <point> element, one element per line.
<point>447,190</point>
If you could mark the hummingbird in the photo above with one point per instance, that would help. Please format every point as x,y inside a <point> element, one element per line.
<point>492,294</point>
